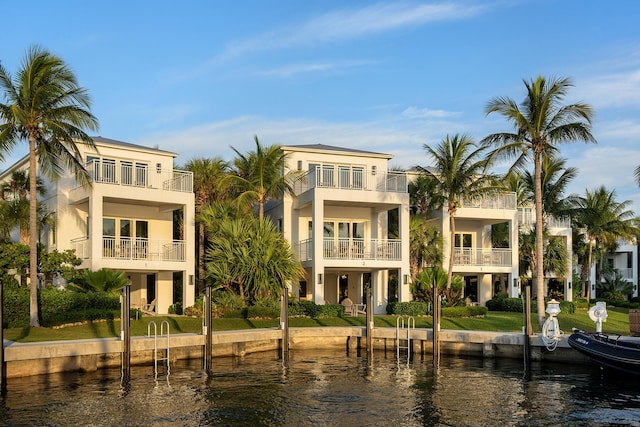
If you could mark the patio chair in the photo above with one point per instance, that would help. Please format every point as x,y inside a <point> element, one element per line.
<point>150,308</point>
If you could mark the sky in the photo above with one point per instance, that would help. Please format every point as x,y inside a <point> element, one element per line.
<point>200,77</point>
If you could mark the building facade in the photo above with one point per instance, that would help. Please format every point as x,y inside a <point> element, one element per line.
<point>348,223</point>
<point>136,217</point>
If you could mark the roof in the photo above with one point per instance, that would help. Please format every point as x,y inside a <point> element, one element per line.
<point>102,140</point>
<point>323,147</point>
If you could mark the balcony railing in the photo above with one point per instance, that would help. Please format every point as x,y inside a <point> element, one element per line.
<point>352,249</point>
<point>126,248</point>
<point>137,175</point>
<point>499,201</point>
<point>529,219</point>
<point>486,257</point>
<point>354,179</point>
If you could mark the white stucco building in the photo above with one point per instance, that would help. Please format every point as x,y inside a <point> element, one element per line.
<point>137,217</point>
<point>342,224</point>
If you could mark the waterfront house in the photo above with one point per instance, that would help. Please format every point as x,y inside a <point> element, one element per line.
<point>137,217</point>
<point>348,223</point>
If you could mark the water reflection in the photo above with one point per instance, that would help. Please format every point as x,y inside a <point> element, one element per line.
<point>328,389</point>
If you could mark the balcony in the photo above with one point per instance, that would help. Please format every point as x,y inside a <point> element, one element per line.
<point>139,175</point>
<point>126,248</point>
<point>356,179</point>
<point>529,219</point>
<point>352,249</point>
<point>482,257</point>
<point>500,201</point>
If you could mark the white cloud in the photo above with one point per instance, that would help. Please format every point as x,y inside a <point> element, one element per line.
<point>425,113</point>
<point>352,23</point>
<point>295,69</point>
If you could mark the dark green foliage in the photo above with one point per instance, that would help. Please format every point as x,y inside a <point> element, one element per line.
<point>176,308</point>
<point>568,307</point>
<point>413,308</point>
<point>57,307</point>
<point>502,303</point>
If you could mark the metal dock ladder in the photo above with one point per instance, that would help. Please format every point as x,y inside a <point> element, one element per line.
<point>403,336</point>
<point>156,350</point>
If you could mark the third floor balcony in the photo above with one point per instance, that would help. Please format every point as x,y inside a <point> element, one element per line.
<point>352,178</point>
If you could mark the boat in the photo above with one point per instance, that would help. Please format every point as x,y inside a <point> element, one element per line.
<point>609,351</point>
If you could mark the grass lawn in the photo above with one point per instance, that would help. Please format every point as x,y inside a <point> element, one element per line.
<point>617,323</point>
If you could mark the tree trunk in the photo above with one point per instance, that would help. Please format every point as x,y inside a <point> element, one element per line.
<point>33,236</point>
<point>201,281</point>
<point>539,241</point>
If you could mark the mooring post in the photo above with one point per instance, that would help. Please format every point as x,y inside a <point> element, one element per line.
<point>284,325</point>
<point>125,332</point>
<point>3,368</point>
<point>528,330</point>
<point>369,311</point>
<point>436,326</point>
<point>207,332</point>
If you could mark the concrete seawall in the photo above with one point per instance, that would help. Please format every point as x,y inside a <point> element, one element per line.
<point>24,359</point>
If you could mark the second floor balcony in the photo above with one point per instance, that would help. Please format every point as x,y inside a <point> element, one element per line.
<point>352,249</point>
<point>482,257</point>
<point>137,249</point>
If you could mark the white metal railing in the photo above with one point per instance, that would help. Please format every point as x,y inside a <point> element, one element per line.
<point>490,257</point>
<point>352,179</point>
<point>350,249</point>
<point>127,248</point>
<point>139,175</point>
<point>499,201</point>
<point>529,218</point>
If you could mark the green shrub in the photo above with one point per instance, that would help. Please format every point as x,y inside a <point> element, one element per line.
<point>503,303</point>
<point>57,307</point>
<point>464,311</point>
<point>176,308</point>
<point>568,307</point>
<point>413,308</point>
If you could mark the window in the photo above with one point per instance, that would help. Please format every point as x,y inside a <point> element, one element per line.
<point>463,240</point>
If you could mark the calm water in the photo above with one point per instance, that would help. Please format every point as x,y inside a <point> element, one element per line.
<point>328,389</point>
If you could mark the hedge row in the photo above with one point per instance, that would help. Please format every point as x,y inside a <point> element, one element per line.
<point>57,307</point>
<point>515,305</point>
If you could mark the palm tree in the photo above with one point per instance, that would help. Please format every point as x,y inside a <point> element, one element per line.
<point>540,123</point>
<point>45,106</point>
<point>603,220</point>
<point>16,192</point>
<point>259,176</point>
<point>251,258</point>
<point>555,178</point>
<point>209,185</point>
<point>425,245</point>
<point>636,174</point>
<point>460,174</point>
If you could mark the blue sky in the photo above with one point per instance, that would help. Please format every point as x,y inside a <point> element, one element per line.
<point>197,77</point>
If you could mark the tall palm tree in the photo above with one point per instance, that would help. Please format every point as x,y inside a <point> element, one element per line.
<point>603,220</point>
<point>460,174</point>
<point>259,176</point>
<point>540,123</point>
<point>46,107</point>
<point>555,178</point>
<point>208,185</point>
<point>636,174</point>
